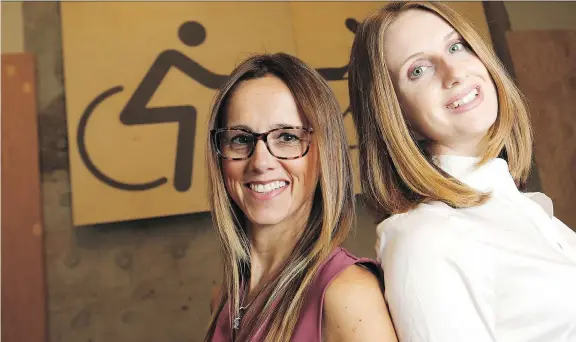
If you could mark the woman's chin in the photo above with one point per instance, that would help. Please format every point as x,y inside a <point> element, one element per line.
<point>266,218</point>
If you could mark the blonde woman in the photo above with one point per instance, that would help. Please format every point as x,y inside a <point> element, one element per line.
<point>445,146</point>
<point>280,181</point>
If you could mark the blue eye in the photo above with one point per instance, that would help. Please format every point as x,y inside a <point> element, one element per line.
<point>456,47</point>
<point>418,71</point>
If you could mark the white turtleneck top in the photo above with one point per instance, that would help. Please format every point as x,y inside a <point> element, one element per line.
<point>503,271</point>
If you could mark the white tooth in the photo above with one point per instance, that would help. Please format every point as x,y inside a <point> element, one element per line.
<point>469,97</point>
<point>268,187</point>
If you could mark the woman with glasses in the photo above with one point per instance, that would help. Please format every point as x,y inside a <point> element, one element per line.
<point>283,203</point>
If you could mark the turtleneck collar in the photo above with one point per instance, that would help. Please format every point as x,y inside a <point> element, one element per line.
<point>492,176</point>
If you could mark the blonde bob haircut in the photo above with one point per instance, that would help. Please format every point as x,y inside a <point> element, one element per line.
<point>397,172</point>
<point>331,217</point>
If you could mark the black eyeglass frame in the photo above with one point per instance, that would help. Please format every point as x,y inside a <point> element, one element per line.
<point>258,136</point>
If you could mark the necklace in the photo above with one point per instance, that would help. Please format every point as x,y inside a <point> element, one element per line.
<point>238,319</point>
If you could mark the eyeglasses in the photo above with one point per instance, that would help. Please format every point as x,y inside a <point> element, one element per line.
<point>282,143</point>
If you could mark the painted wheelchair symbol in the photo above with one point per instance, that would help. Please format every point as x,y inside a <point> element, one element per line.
<point>136,111</point>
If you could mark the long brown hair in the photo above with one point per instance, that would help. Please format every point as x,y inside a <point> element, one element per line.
<point>397,172</point>
<point>332,213</point>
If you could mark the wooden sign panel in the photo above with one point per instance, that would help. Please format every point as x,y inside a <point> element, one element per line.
<point>140,78</point>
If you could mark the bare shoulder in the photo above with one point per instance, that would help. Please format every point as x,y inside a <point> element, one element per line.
<point>355,309</point>
<point>355,277</point>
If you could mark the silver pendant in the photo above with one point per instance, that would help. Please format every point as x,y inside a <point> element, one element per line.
<point>236,321</point>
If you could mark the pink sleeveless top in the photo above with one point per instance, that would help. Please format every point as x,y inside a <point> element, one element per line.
<point>309,326</point>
